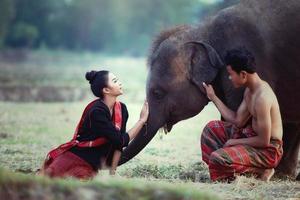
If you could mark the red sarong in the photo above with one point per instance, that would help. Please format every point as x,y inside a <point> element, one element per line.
<point>60,162</point>
<point>225,163</point>
<point>69,165</point>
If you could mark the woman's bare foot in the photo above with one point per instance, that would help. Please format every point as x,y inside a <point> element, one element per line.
<point>267,174</point>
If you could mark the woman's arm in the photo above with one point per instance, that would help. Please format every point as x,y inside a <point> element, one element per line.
<point>140,123</point>
<point>115,161</point>
<point>102,125</point>
<point>132,134</point>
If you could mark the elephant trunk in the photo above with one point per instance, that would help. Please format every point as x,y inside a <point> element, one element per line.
<point>142,139</point>
<point>137,144</point>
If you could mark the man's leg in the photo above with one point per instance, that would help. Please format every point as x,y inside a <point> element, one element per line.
<point>214,136</point>
<point>226,162</point>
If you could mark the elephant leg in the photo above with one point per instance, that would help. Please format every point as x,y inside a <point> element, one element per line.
<point>291,143</point>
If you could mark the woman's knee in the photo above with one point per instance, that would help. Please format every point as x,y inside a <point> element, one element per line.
<point>81,172</point>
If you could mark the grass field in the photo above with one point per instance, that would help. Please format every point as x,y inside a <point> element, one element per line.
<point>29,130</point>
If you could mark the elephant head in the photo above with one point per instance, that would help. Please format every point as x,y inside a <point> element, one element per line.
<point>177,66</point>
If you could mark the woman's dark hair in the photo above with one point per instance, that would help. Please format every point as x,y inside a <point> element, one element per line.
<point>240,59</point>
<point>98,80</point>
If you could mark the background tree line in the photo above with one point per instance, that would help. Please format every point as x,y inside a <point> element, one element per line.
<point>112,26</point>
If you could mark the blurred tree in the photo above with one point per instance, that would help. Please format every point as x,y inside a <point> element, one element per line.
<point>6,14</point>
<point>137,21</point>
<point>80,24</point>
<point>95,27</point>
<point>22,35</point>
<point>33,14</point>
<point>115,26</point>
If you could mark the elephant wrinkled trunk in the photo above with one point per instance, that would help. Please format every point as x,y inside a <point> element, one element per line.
<point>138,143</point>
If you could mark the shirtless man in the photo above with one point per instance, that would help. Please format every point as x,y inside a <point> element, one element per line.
<point>232,147</point>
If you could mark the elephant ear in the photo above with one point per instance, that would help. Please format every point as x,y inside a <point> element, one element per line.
<point>204,62</point>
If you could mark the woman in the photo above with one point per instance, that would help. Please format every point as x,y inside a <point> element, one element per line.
<point>100,134</point>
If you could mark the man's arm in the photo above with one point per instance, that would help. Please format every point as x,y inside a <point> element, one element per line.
<point>263,117</point>
<point>238,118</point>
<point>264,122</point>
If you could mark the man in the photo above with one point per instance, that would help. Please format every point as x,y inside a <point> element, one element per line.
<point>231,148</point>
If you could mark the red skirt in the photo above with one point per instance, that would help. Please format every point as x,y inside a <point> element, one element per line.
<point>226,162</point>
<point>69,165</point>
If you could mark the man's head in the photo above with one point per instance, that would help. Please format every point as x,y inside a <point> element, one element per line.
<point>240,64</point>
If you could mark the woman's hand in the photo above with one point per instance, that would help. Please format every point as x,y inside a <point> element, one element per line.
<point>144,112</point>
<point>209,91</point>
<point>139,124</point>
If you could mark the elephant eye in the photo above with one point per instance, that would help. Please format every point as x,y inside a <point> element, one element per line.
<point>158,94</point>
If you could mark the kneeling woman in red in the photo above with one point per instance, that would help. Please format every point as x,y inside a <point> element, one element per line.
<point>99,136</point>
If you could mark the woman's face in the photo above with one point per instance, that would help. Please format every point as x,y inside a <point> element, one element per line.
<point>114,86</point>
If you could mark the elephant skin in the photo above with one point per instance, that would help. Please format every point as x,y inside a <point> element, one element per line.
<point>183,57</point>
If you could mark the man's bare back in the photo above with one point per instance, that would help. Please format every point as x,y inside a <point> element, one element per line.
<point>261,96</point>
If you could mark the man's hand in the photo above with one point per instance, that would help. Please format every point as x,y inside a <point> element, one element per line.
<point>209,91</point>
<point>230,142</point>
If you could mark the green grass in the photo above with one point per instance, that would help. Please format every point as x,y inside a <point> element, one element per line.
<point>60,68</point>
<point>63,70</point>
<point>170,167</point>
<point>30,130</point>
<point>20,186</point>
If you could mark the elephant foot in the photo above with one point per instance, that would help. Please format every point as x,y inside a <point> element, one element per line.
<point>285,172</point>
<point>287,167</point>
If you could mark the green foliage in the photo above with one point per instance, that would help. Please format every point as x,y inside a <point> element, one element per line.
<point>20,186</point>
<point>23,35</point>
<point>114,26</point>
<point>6,13</point>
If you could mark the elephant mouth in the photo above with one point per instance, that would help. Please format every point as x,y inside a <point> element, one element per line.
<point>167,127</point>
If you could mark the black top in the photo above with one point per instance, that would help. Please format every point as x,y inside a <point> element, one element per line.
<point>99,123</point>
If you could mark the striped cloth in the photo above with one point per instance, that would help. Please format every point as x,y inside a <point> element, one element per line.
<point>68,164</point>
<point>225,163</point>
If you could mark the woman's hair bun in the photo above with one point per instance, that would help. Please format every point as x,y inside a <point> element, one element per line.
<point>90,76</point>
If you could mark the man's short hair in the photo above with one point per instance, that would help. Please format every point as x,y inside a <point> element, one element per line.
<point>240,59</point>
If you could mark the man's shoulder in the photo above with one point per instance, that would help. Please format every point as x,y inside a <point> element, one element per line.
<point>267,92</point>
<point>265,96</point>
